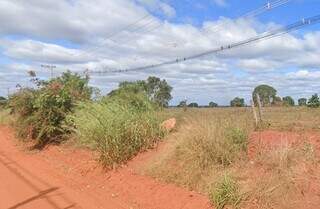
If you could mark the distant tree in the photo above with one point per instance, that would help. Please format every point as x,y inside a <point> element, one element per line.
<point>237,102</point>
<point>314,101</point>
<point>193,104</point>
<point>277,101</point>
<point>182,104</point>
<point>302,102</point>
<point>267,94</point>
<point>213,104</point>
<point>158,91</point>
<point>288,101</point>
<point>3,100</point>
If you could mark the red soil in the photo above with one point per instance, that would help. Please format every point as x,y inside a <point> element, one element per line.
<point>272,139</point>
<point>306,176</point>
<point>63,178</point>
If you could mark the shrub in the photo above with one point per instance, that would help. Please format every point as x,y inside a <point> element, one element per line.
<point>41,112</point>
<point>238,138</point>
<point>314,101</point>
<point>118,127</point>
<point>225,192</point>
<point>288,101</point>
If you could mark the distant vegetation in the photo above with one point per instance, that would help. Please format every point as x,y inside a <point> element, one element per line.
<point>237,102</point>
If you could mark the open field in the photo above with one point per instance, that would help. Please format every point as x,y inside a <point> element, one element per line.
<point>277,164</point>
<point>218,153</point>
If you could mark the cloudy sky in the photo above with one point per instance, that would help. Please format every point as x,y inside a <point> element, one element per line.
<point>119,34</point>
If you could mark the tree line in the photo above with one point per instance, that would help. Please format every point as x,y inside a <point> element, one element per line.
<point>268,97</point>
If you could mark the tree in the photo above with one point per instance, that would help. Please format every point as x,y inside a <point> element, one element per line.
<point>314,101</point>
<point>158,91</point>
<point>267,94</point>
<point>3,100</point>
<point>213,104</point>
<point>288,101</point>
<point>193,104</point>
<point>302,102</point>
<point>277,101</point>
<point>237,102</point>
<point>182,104</point>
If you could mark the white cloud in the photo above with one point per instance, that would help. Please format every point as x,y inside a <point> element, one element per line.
<point>87,25</point>
<point>221,3</point>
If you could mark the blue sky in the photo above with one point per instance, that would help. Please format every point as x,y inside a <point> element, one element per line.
<point>72,35</point>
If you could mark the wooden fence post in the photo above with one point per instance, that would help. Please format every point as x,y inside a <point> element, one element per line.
<point>254,113</point>
<point>259,107</point>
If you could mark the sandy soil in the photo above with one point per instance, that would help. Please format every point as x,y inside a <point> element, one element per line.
<point>63,178</point>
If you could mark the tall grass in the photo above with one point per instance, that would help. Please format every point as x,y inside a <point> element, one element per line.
<point>117,130</point>
<point>207,140</point>
<point>5,117</point>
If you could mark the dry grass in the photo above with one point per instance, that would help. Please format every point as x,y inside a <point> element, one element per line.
<point>205,141</point>
<point>281,176</point>
<point>202,150</point>
<point>292,118</point>
<point>5,117</point>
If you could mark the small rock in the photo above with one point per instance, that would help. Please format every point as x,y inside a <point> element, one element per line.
<point>169,125</point>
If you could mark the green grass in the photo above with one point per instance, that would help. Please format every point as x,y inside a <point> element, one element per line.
<point>117,131</point>
<point>225,192</point>
<point>5,117</point>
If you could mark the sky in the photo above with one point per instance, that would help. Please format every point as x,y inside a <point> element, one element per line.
<point>101,35</point>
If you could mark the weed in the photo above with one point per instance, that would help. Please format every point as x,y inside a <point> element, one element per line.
<point>117,129</point>
<point>225,192</point>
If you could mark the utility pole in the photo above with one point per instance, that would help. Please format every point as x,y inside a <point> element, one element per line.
<point>50,67</point>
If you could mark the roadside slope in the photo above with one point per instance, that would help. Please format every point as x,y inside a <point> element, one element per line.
<point>63,178</point>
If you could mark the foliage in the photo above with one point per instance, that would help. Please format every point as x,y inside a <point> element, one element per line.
<point>182,103</point>
<point>314,101</point>
<point>225,192</point>
<point>117,129</point>
<point>267,94</point>
<point>41,112</point>
<point>277,101</point>
<point>213,104</point>
<point>237,102</point>
<point>288,101</point>
<point>193,104</point>
<point>158,91</point>
<point>131,95</point>
<point>302,102</point>
<point>3,101</point>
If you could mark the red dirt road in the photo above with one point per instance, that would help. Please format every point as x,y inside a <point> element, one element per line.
<point>63,178</point>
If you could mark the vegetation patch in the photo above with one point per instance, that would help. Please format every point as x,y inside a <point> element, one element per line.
<point>41,112</point>
<point>225,191</point>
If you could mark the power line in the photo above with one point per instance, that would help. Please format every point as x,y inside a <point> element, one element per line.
<point>146,29</point>
<point>264,36</point>
<point>251,14</point>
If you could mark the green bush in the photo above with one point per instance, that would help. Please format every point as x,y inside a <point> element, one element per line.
<point>118,127</point>
<point>238,138</point>
<point>225,192</point>
<point>41,112</point>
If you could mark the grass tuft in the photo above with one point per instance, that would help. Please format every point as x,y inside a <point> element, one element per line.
<point>225,192</point>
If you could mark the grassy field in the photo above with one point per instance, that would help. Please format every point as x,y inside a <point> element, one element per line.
<point>208,153</point>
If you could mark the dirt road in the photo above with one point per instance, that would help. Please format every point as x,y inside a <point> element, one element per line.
<point>61,178</point>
